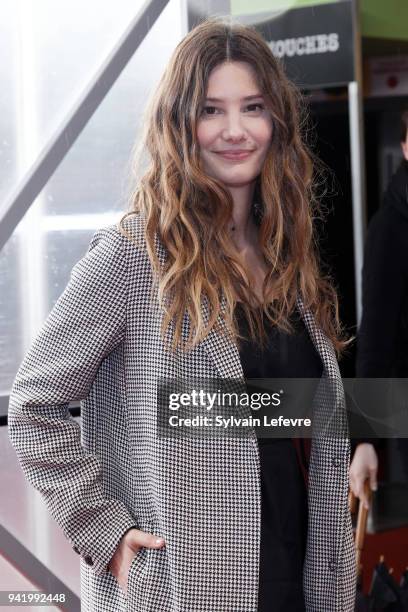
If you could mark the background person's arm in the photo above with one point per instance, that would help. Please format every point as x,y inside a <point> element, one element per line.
<point>85,325</point>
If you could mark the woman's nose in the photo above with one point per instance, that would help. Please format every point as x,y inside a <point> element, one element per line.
<point>234,128</point>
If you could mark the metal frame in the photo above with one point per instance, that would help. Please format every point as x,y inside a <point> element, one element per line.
<point>358,187</point>
<point>25,193</point>
<point>60,143</point>
<point>45,581</point>
<point>357,157</point>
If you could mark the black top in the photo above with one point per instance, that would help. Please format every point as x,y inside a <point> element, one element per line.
<point>286,355</point>
<point>283,492</point>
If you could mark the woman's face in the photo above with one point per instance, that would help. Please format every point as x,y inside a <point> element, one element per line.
<point>234,129</point>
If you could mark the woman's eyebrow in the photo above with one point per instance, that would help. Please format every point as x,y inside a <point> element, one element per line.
<point>252,97</point>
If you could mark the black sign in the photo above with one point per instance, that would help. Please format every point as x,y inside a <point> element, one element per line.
<point>315,43</point>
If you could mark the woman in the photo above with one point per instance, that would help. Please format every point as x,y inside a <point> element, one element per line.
<point>221,216</point>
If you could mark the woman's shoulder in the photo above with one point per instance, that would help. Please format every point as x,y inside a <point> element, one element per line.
<point>127,235</point>
<point>120,244</point>
<point>131,229</point>
<point>133,224</point>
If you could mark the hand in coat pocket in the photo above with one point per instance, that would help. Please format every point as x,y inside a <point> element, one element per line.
<point>128,548</point>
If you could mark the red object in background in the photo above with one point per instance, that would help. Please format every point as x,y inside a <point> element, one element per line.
<point>392,81</point>
<point>393,544</point>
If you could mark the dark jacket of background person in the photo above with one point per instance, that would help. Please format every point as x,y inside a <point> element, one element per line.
<point>382,346</point>
<point>382,349</point>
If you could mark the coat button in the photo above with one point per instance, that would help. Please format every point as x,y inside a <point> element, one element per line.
<point>88,560</point>
<point>336,462</point>
<point>332,566</point>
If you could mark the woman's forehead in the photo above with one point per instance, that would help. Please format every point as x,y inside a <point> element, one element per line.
<point>232,79</point>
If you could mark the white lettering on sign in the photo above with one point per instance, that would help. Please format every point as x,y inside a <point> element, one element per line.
<point>306,45</point>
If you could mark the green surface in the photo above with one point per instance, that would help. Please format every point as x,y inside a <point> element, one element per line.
<point>379,18</point>
<point>385,18</point>
<point>242,7</point>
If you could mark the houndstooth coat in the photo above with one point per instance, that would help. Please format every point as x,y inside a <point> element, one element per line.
<point>101,344</point>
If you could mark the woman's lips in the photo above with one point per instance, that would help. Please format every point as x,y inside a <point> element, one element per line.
<point>234,155</point>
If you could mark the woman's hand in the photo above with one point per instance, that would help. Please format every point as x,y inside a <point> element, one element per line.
<point>364,465</point>
<point>129,546</point>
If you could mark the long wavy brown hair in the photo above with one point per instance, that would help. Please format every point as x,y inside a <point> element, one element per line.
<point>189,211</point>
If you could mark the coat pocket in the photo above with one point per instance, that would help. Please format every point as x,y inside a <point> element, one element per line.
<point>135,580</point>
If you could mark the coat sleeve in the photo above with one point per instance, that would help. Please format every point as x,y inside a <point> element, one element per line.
<point>85,325</point>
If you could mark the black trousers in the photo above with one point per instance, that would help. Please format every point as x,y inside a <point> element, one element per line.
<point>283,528</point>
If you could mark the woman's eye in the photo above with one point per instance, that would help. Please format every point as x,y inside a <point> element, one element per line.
<point>253,107</point>
<point>209,110</point>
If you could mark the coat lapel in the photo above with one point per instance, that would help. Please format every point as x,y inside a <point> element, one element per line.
<point>322,344</point>
<point>221,349</point>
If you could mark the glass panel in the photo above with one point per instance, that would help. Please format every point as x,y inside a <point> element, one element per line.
<point>88,189</point>
<point>63,248</point>
<point>11,324</point>
<point>49,52</point>
<point>93,176</point>
<point>8,108</point>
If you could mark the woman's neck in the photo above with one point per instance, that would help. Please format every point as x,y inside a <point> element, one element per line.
<point>242,226</point>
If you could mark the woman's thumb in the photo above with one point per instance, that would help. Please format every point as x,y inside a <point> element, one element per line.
<point>144,539</point>
<point>153,541</point>
<point>373,480</point>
